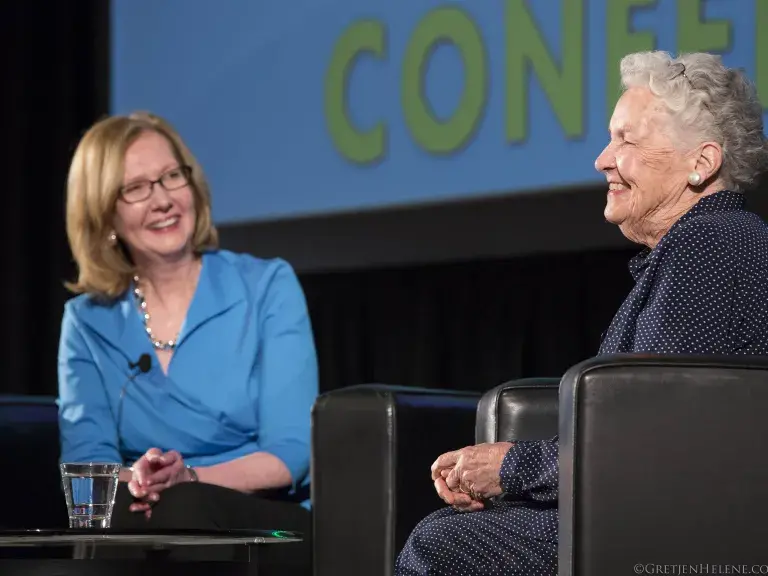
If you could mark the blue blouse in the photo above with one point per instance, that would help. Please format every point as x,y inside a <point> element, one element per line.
<point>242,379</point>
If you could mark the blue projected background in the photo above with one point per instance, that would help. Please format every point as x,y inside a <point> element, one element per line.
<point>311,107</point>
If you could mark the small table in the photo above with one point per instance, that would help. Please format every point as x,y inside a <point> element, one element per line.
<point>156,542</point>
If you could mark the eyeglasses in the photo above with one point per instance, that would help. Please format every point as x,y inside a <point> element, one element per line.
<point>139,190</point>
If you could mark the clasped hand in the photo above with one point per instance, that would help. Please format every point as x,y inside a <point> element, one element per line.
<point>151,474</point>
<point>464,478</point>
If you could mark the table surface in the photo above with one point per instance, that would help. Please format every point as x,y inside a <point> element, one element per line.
<point>45,537</point>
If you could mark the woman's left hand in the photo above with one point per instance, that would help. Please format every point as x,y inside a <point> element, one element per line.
<point>154,472</point>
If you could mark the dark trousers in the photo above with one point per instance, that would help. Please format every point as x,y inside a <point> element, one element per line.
<point>201,506</point>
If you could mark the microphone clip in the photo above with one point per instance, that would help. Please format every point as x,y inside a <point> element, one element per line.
<point>144,364</point>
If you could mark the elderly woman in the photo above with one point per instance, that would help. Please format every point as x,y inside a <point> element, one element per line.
<point>686,142</point>
<point>194,367</point>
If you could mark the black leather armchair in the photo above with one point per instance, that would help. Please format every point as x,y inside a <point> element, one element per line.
<point>525,409</point>
<point>29,453</point>
<point>661,464</point>
<point>372,443</point>
<point>372,446</point>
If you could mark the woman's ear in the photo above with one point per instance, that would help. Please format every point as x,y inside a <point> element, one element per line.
<point>709,161</point>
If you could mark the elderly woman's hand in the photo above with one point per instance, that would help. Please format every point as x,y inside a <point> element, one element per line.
<point>152,473</point>
<point>463,478</point>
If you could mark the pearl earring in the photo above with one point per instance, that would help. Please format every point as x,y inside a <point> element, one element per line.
<point>694,178</point>
<point>112,238</point>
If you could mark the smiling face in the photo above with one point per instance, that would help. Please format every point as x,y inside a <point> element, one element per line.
<point>647,174</point>
<point>160,227</point>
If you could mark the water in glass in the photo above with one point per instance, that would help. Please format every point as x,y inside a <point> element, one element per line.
<point>90,490</point>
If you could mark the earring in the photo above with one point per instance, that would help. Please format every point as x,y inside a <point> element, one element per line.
<point>694,178</point>
<point>112,238</point>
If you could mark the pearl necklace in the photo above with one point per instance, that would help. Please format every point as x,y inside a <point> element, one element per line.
<point>142,304</point>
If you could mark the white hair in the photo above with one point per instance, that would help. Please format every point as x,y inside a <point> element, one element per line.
<point>708,102</point>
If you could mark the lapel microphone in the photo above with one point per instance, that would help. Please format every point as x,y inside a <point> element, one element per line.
<point>144,364</point>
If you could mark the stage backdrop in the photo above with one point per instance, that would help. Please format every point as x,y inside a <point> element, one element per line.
<point>309,107</point>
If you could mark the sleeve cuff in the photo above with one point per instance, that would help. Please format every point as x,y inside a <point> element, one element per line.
<point>508,472</point>
<point>296,459</point>
<point>530,470</point>
<point>511,481</point>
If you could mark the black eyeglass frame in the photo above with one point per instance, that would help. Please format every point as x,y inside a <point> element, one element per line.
<point>162,180</point>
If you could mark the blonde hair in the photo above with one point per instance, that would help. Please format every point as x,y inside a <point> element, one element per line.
<point>105,269</point>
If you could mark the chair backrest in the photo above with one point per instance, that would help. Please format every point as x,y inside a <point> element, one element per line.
<point>29,457</point>
<point>663,463</point>
<point>372,446</point>
<point>524,409</point>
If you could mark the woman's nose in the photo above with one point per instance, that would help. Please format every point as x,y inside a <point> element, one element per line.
<point>161,198</point>
<point>606,160</point>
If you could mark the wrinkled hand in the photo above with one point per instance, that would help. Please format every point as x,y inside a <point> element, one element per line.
<point>464,478</point>
<point>152,473</point>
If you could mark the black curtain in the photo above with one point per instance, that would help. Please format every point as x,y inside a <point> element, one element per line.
<point>55,84</point>
<point>468,325</point>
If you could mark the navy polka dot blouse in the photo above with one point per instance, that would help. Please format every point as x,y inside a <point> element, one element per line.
<point>702,290</point>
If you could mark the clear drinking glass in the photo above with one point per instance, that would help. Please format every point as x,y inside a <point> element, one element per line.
<point>90,489</point>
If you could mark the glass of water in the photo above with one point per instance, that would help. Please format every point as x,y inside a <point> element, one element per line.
<point>90,490</point>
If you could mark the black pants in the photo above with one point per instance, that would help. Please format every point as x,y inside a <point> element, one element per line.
<point>208,507</point>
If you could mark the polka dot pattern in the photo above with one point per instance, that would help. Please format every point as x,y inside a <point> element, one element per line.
<point>517,535</point>
<point>702,290</point>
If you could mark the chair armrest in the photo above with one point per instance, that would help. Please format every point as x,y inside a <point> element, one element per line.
<point>524,409</point>
<point>372,446</point>
<point>29,446</point>
<point>662,463</point>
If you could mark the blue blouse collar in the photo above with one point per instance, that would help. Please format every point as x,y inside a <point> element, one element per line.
<point>218,289</point>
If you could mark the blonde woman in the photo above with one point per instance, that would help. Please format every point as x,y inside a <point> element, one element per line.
<point>195,367</point>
